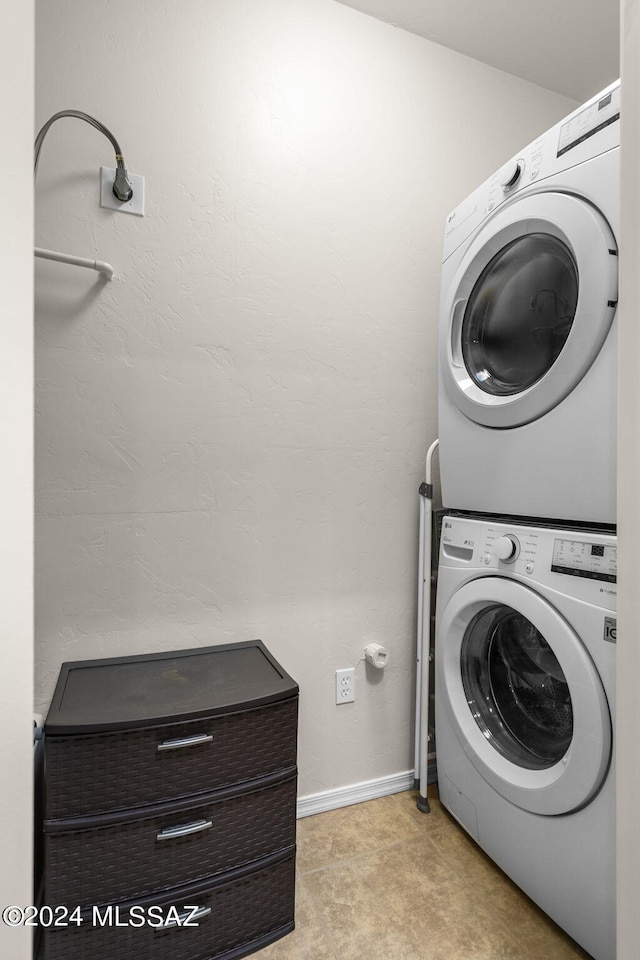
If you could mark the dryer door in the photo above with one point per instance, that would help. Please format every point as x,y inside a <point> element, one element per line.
<point>523,696</point>
<point>528,309</point>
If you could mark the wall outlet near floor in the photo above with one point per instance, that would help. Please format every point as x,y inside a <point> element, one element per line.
<point>346,685</point>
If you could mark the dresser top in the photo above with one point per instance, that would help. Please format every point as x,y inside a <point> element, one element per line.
<point>94,696</point>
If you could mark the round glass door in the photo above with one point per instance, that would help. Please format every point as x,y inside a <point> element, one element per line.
<point>516,689</point>
<point>528,308</point>
<point>519,690</point>
<point>519,314</point>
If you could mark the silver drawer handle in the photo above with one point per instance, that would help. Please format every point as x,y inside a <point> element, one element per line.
<point>186,741</point>
<point>170,832</point>
<point>187,915</point>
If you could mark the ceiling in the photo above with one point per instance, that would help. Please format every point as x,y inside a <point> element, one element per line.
<point>568,46</point>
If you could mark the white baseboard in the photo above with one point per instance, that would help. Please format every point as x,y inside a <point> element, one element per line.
<point>354,793</point>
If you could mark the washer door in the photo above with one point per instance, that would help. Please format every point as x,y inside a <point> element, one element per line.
<point>528,309</point>
<point>523,696</point>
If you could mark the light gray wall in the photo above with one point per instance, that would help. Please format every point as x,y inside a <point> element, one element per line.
<point>628,648</point>
<point>16,471</point>
<point>231,433</point>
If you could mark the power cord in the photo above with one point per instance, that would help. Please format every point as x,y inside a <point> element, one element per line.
<point>122,189</point>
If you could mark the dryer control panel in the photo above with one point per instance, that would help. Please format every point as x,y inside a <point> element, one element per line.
<point>593,117</point>
<point>582,563</point>
<point>588,132</point>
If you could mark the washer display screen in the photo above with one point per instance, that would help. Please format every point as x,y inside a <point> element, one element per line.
<point>596,561</point>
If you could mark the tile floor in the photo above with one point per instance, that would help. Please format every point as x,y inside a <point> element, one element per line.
<point>381,881</point>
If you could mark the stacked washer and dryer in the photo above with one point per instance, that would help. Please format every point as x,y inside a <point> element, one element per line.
<point>526,595</point>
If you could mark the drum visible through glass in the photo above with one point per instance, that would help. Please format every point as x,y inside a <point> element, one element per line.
<point>515,688</point>
<point>519,314</point>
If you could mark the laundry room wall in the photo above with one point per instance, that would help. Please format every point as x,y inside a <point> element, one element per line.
<point>16,472</point>
<point>231,433</point>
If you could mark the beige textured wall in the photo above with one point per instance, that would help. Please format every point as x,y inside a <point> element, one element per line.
<point>16,471</point>
<point>231,433</point>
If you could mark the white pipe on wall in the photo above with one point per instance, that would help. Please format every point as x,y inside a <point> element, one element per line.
<point>100,265</point>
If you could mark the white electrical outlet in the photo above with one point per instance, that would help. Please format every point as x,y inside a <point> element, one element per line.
<point>111,202</point>
<point>346,685</point>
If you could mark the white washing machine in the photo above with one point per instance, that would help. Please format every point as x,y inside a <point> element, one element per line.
<point>525,700</point>
<point>527,338</point>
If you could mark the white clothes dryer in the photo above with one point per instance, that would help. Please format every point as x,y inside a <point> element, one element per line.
<point>527,332</point>
<point>525,701</point>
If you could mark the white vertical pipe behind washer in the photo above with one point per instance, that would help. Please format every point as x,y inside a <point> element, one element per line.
<point>424,631</point>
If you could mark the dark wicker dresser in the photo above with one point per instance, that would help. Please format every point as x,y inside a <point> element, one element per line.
<point>169,808</point>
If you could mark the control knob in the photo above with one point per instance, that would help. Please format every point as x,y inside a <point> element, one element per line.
<point>507,548</point>
<point>509,173</point>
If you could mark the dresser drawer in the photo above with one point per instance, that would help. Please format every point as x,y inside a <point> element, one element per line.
<point>245,911</point>
<point>96,773</point>
<point>157,849</point>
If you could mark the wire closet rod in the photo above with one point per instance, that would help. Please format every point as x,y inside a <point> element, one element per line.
<point>101,266</point>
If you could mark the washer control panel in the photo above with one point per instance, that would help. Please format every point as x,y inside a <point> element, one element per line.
<point>493,546</point>
<point>580,562</point>
<point>579,558</point>
<point>510,547</point>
